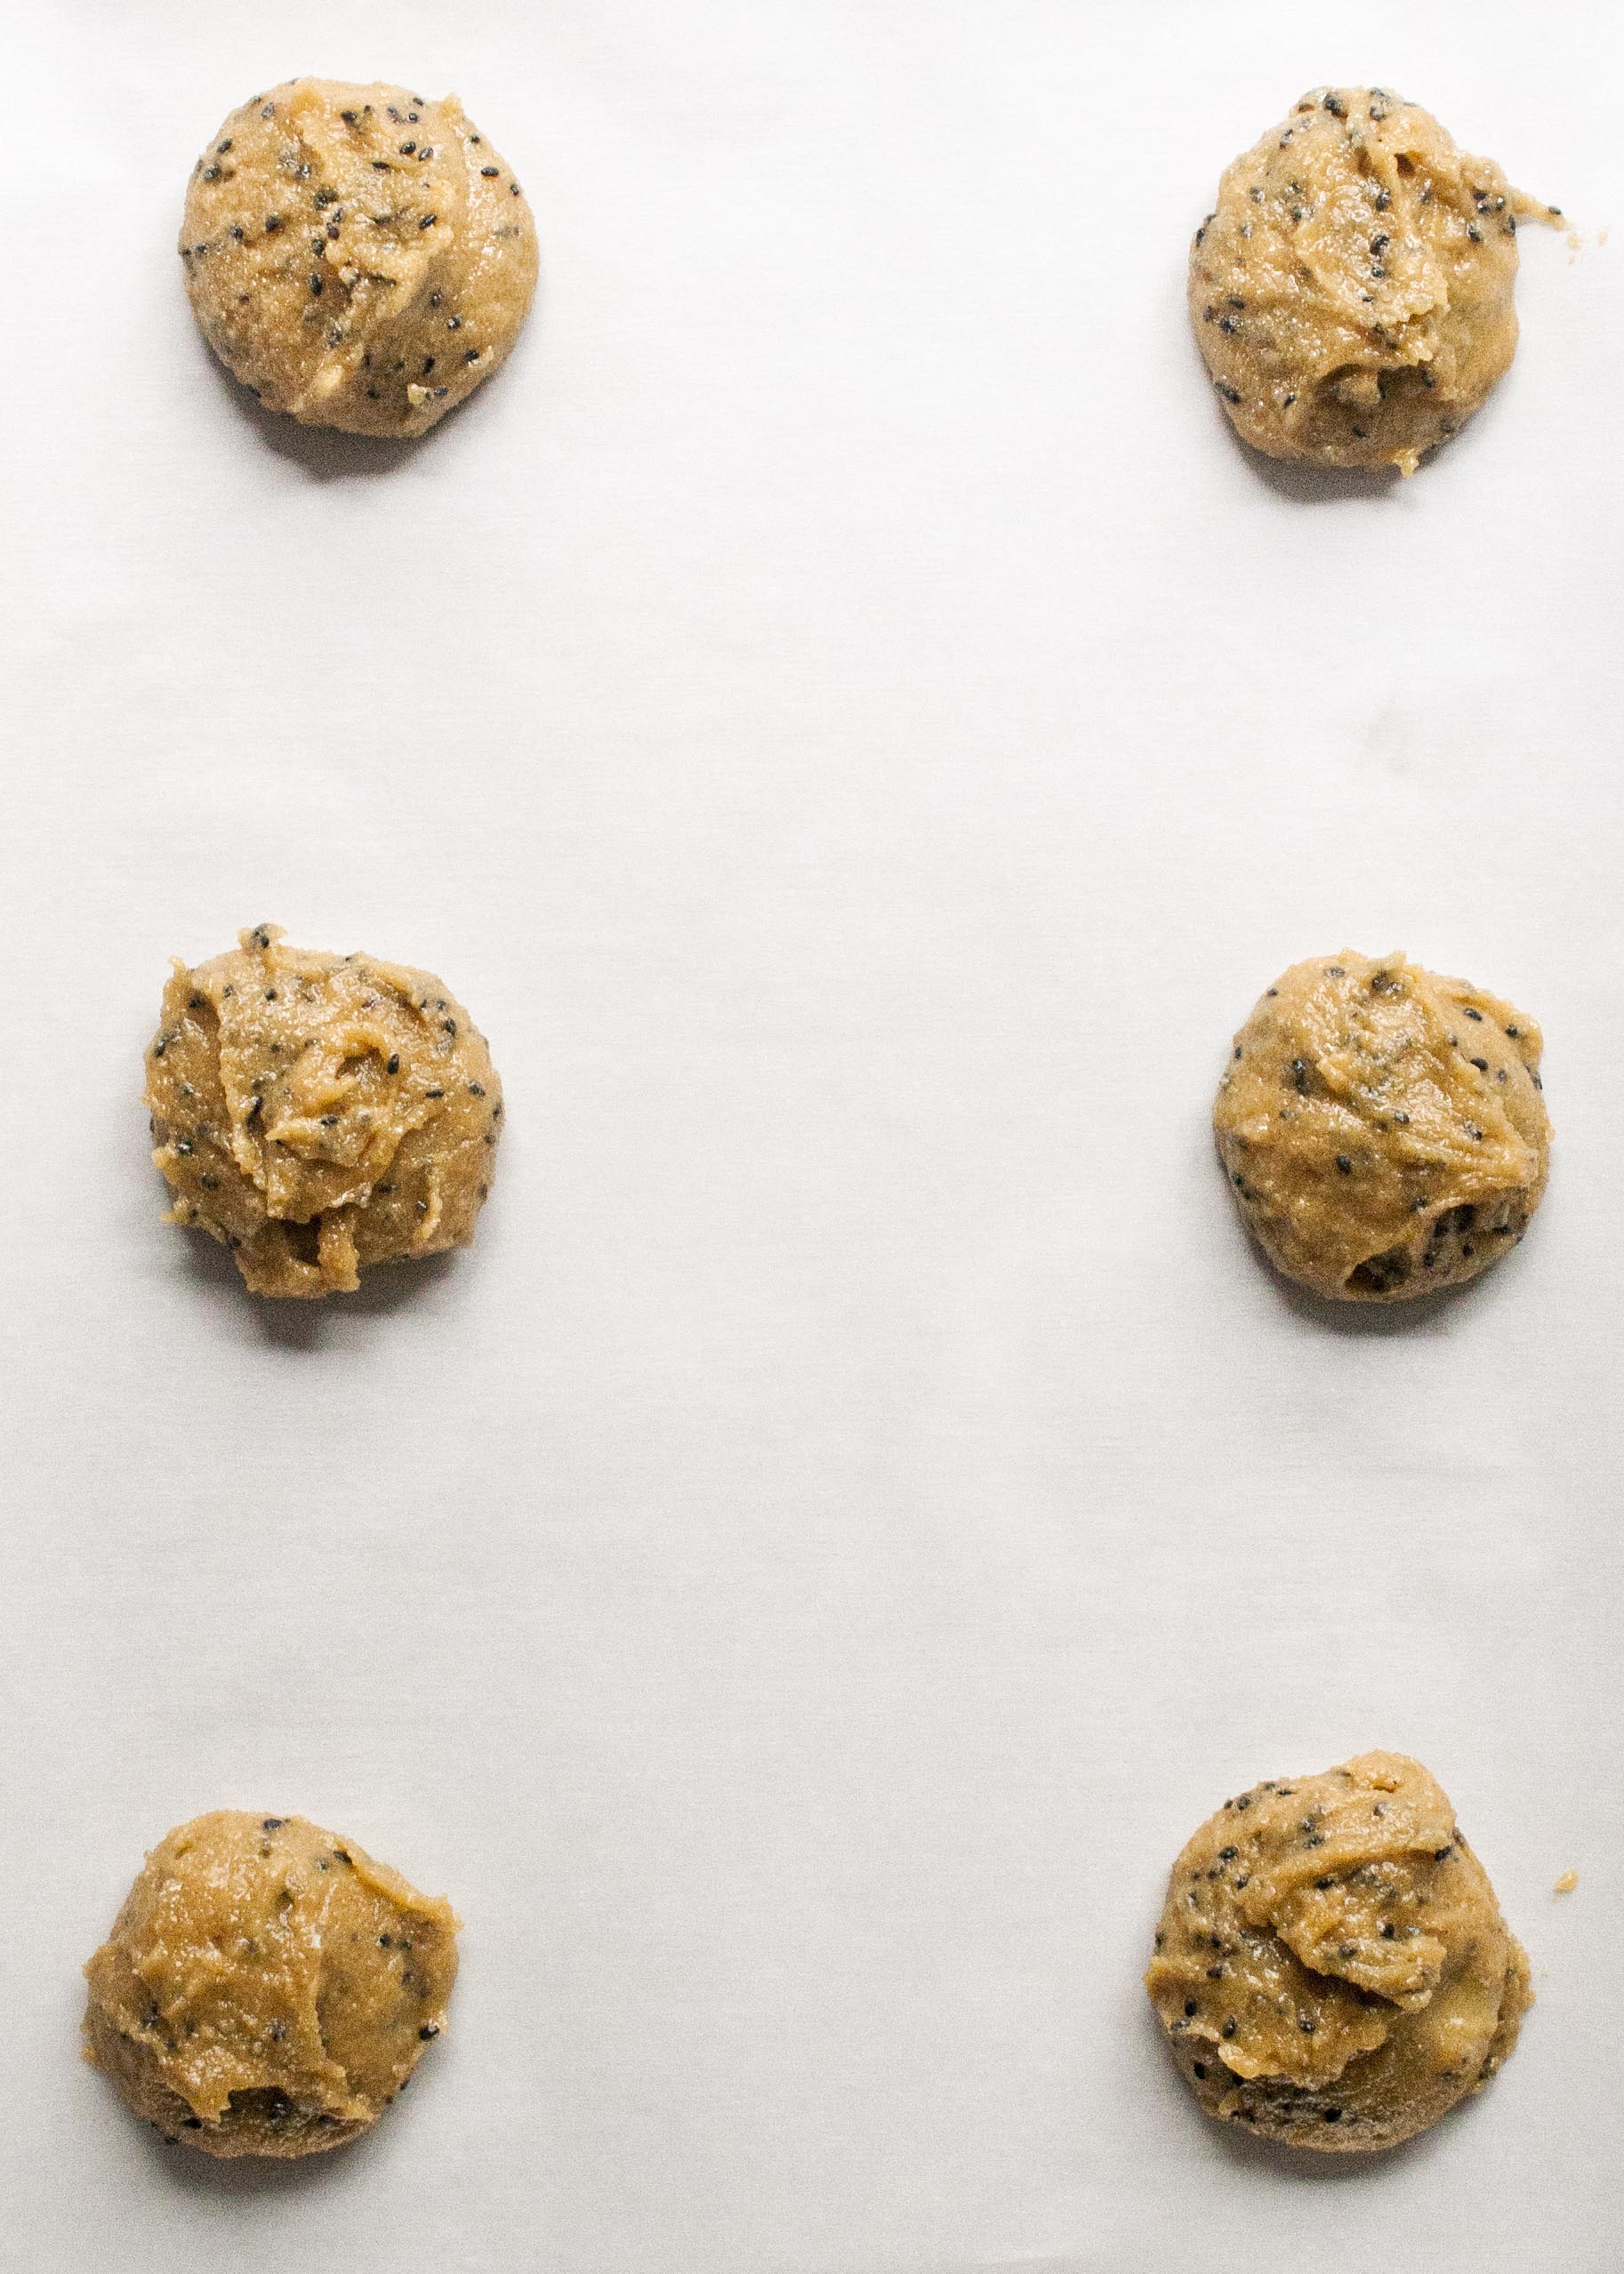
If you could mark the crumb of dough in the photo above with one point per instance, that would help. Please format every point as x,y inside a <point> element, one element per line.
<point>1383,1127</point>
<point>266,1988</point>
<point>1351,292</point>
<point>1565,1884</point>
<point>358,257</point>
<point>1330,1967</point>
<point>317,1114</point>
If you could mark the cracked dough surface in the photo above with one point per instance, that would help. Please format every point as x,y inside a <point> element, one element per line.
<point>356,256</point>
<point>266,1988</point>
<point>1331,1967</point>
<point>1383,1127</point>
<point>318,1113</point>
<point>1352,290</point>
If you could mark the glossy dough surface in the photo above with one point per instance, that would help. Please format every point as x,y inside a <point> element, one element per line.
<point>320,1112</point>
<point>358,257</point>
<point>266,1988</point>
<point>1352,291</point>
<point>1383,1127</point>
<point>1331,1967</point>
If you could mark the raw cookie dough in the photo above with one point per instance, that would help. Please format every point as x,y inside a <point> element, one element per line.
<point>1331,1967</point>
<point>320,1112</point>
<point>357,256</point>
<point>267,1989</point>
<point>1352,292</point>
<point>1383,1127</point>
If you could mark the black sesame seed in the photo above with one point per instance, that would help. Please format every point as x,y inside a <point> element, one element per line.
<point>428,221</point>
<point>428,2030</point>
<point>476,1089</point>
<point>471,356</point>
<point>1199,2068</point>
<point>1336,106</point>
<point>490,172</point>
<point>394,1062</point>
<point>1345,1164</point>
<point>317,283</point>
<point>1474,232</point>
<point>1333,2116</point>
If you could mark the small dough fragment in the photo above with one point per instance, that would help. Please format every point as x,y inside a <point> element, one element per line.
<point>317,1114</point>
<point>1331,1967</point>
<point>1352,291</point>
<point>266,1988</point>
<point>358,257</point>
<point>1383,1127</point>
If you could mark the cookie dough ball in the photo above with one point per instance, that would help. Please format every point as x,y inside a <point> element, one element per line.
<point>1331,1966</point>
<point>1383,1127</point>
<point>1351,294</point>
<point>357,256</point>
<point>320,1112</point>
<point>267,1989</point>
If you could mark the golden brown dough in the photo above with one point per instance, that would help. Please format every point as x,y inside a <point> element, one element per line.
<point>357,256</point>
<point>1331,1967</point>
<point>266,1988</point>
<point>1352,291</point>
<point>320,1112</point>
<point>1383,1127</point>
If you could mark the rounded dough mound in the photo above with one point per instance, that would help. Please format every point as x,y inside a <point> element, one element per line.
<point>357,256</point>
<point>1331,1966</point>
<point>320,1112</point>
<point>1383,1127</point>
<point>1352,292</point>
<point>267,1989</point>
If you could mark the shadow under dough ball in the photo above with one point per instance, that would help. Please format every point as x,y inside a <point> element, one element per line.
<point>358,257</point>
<point>1331,1967</point>
<point>318,1113</point>
<point>1383,1127</point>
<point>266,1988</point>
<point>1352,290</point>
